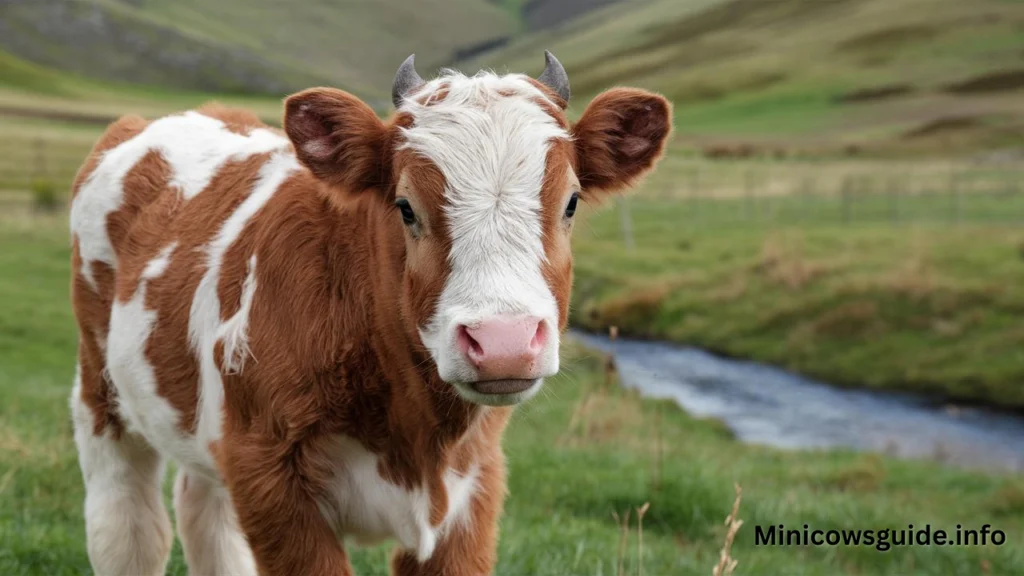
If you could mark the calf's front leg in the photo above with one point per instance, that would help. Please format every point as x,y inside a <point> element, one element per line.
<point>273,487</point>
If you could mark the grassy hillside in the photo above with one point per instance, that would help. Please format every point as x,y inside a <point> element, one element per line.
<point>921,75</point>
<point>264,46</point>
<point>49,120</point>
<point>928,300</point>
<point>580,452</point>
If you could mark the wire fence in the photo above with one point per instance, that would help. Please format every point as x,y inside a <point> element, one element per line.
<point>699,191</point>
<point>29,165</point>
<point>780,192</point>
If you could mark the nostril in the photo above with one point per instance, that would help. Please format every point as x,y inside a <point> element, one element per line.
<point>468,344</point>
<point>539,337</point>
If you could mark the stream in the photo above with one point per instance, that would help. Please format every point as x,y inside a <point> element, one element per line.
<point>766,405</point>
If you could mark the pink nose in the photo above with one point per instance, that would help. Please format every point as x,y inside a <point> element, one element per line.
<point>504,347</point>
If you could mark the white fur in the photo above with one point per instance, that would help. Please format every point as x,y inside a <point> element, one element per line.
<point>195,146</point>
<point>492,150</point>
<point>362,505</point>
<point>204,323</point>
<point>208,527</point>
<point>127,528</point>
<point>156,267</point>
<point>141,406</point>
<point>461,490</point>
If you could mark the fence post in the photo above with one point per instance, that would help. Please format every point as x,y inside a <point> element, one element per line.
<point>748,192</point>
<point>695,187</point>
<point>844,198</point>
<point>954,196</point>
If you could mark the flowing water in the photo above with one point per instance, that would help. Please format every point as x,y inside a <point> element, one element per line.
<point>766,405</point>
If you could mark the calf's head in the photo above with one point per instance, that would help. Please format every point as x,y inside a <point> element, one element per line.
<point>483,175</point>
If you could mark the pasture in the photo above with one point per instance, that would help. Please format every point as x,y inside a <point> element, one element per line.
<point>862,272</point>
<point>889,289</point>
<point>583,450</point>
<point>838,240</point>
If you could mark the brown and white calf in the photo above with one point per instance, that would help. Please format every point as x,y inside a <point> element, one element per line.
<point>326,327</point>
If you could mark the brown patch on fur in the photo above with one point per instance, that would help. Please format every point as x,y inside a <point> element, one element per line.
<point>557,230</point>
<point>125,128</point>
<point>621,135</point>
<point>194,225</point>
<point>554,112</point>
<point>92,310</point>
<point>426,258</point>
<point>470,549</point>
<point>143,185</point>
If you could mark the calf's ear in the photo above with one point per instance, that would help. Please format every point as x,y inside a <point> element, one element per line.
<point>338,137</point>
<point>620,136</point>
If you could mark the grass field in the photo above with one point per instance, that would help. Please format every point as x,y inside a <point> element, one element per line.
<point>863,272</point>
<point>578,453</point>
<point>925,304</point>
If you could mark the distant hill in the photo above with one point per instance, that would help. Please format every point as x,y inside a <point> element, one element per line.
<point>907,74</point>
<point>541,14</point>
<point>250,46</point>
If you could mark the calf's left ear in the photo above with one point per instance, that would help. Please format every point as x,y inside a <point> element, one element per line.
<point>620,136</point>
<point>338,137</point>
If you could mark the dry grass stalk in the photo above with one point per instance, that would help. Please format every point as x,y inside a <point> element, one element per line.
<point>640,538</point>
<point>620,560</point>
<point>726,563</point>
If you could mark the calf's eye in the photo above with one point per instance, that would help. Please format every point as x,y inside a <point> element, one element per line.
<point>408,216</point>
<point>571,208</point>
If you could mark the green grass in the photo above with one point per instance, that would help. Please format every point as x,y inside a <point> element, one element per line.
<point>772,71</point>
<point>882,291</point>
<point>579,452</point>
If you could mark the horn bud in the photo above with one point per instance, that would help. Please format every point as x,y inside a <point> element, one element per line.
<point>406,81</point>
<point>554,76</point>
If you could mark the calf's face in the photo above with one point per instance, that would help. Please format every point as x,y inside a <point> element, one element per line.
<point>484,175</point>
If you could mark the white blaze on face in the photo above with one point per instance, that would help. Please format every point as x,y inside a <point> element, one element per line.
<point>492,149</point>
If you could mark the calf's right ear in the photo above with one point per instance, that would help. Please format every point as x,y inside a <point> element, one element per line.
<point>338,137</point>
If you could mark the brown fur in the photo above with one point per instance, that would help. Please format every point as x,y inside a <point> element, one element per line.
<point>342,286</point>
<point>620,136</point>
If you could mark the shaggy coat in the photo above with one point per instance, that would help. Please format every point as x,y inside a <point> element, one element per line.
<point>284,314</point>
